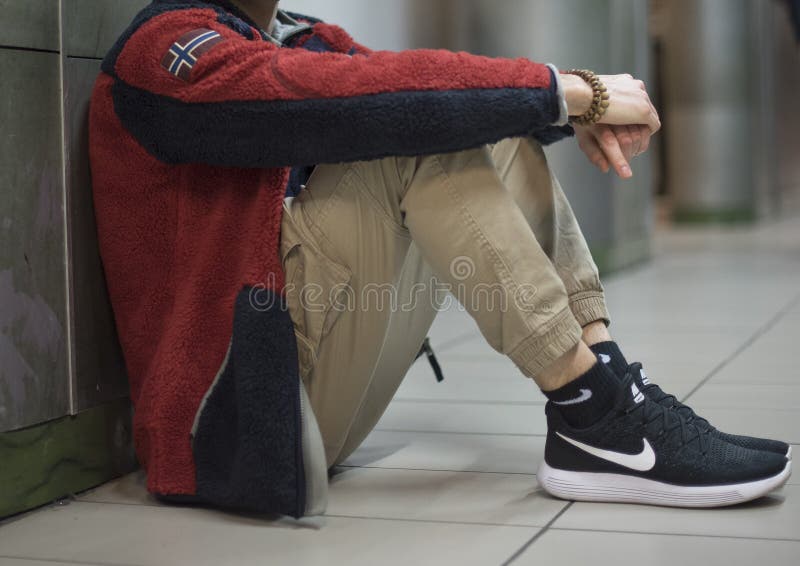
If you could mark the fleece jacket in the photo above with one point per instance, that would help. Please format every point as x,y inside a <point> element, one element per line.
<point>198,122</point>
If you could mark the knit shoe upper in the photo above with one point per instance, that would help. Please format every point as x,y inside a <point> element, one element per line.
<point>655,393</point>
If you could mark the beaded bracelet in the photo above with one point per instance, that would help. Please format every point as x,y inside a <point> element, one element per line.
<point>600,97</point>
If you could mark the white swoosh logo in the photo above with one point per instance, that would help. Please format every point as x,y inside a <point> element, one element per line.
<point>641,462</point>
<point>585,395</point>
<point>605,358</point>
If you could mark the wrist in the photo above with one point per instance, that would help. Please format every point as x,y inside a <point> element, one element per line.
<point>600,97</point>
<point>577,93</point>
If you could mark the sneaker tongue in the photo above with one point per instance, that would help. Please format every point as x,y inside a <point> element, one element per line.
<point>636,393</point>
<point>631,390</point>
<point>640,377</point>
<point>630,393</point>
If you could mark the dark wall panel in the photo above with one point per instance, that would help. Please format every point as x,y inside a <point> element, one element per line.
<point>99,367</point>
<point>33,321</point>
<point>92,26</point>
<point>29,23</point>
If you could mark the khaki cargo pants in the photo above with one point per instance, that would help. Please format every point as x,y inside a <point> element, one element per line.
<point>369,248</point>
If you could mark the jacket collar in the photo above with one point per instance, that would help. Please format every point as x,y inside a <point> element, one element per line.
<point>232,8</point>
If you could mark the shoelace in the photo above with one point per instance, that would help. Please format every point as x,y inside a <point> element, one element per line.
<point>658,395</point>
<point>651,412</point>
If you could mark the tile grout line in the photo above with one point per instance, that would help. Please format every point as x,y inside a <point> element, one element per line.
<point>460,433</point>
<point>445,401</point>
<point>433,521</point>
<point>521,550</point>
<point>335,516</point>
<point>65,561</point>
<point>654,533</point>
<point>368,467</point>
<point>766,327</point>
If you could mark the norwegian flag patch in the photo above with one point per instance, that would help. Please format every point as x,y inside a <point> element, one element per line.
<point>184,53</point>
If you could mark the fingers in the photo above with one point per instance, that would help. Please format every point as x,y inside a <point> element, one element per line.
<point>613,151</point>
<point>607,146</point>
<point>644,131</point>
<point>589,146</point>
<point>636,134</point>
<point>653,120</point>
<point>633,140</point>
<point>627,139</point>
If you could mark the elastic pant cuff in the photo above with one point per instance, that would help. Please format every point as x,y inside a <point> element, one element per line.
<point>588,307</point>
<point>538,352</point>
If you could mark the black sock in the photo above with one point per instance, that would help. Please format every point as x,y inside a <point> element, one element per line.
<point>586,400</point>
<point>609,353</point>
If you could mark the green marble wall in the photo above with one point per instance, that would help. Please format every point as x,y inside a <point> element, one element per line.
<point>53,460</point>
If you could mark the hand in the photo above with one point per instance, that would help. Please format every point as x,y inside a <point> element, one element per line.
<point>629,101</point>
<point>607,146</point>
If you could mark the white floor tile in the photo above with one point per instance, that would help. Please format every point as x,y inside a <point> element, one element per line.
<point>473,348</point>
<point>470,381</point>
<point>776,516</point>
<point>746,396</point>
<point>451,326</point>
<point>470,418</point>
<point>159,536</point>
<point>680,346</point>
<point>568,548</point>
<point>506,499</point>
<point>127,490</point>
<point>755,366</point>
<point>442,451</point>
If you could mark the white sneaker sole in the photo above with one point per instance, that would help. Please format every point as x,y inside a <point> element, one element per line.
<point>619,488</point>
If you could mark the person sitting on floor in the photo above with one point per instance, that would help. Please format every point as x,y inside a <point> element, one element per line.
<point>259,177</point>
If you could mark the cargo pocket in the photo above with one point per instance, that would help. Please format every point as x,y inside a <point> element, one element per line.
<point>316,291</point>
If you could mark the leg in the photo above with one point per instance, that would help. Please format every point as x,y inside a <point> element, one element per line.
<point>522,166</point>
<point>352,231</point>
<point>350,266</point>
<point>477,240</point>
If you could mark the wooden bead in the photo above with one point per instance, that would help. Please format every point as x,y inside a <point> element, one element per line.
<point>600,97</point>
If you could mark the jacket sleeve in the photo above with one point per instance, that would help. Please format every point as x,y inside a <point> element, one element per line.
<point>250,104</point>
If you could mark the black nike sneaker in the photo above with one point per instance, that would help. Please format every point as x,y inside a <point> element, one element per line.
<point>642,452</point>
<point>655,393</point>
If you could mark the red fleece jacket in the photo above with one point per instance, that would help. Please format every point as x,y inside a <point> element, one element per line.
<point>190,168</point>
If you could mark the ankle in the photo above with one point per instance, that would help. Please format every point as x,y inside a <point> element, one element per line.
<point>596,332</point>
<point>567,368</point>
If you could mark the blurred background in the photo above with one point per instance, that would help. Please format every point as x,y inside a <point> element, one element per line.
<point>723,73</point>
